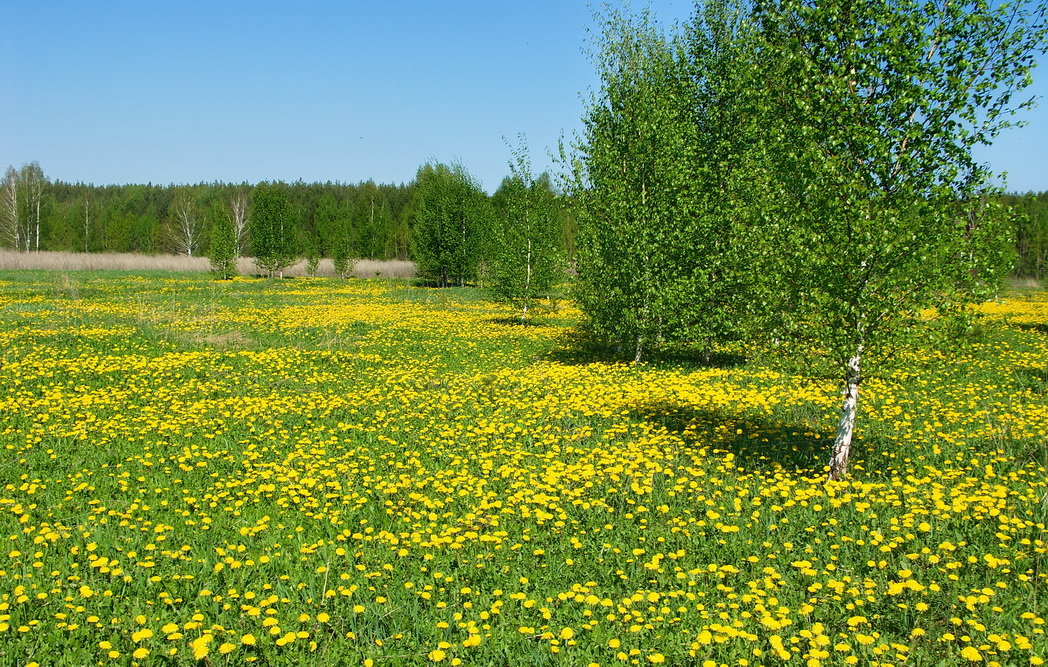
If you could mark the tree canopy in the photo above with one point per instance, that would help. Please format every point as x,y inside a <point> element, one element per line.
<point>451,212</point>
<point>798,168</point>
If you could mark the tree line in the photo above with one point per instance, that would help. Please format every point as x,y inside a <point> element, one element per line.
<point>39,214</point>
<point>363,220</point>
<point>1030,224</point>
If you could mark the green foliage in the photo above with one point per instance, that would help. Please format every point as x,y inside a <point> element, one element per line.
<point>1030,222</point>
<point>395,440</point>
<point>524,256</point>
<point>272,232</point>
<point>342,253</point>
<point>222,250</point>
<point>873,110</point>
<point>312,253</point>
<point>661,184</point>
<point>798,168</point>
<point>451,212</point>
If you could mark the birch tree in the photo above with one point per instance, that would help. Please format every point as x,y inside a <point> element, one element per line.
<point>20,206</point>
<point>87,219</point>
<point>632,153</point>
<point>272,229</point>
<point>342,250</point>
<point>451,209</point>
<point>874,109</point>
<point>10,224</point>
<point>524,251</point>
<point>238,214</point>
<point>659,177</point>
<point>222,249</point>
<point>184,224</point>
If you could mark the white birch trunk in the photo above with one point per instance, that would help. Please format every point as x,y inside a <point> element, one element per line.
<point>9,209</point>
<point>846,426</point>
<point>186,231</point>
<point>238,211</point>
<point>527,286</point>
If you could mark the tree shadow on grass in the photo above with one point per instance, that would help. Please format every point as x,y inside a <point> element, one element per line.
<point>1034,379</point>
<point>797,444</point>
<point>1031,326</point>
<point>516,321</point>
<point>579,347</point>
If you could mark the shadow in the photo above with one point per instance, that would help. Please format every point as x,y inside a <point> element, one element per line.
<point>797,445</point>
<point>579,347</point>
<point>515,321</point>
<point>1034,379</point>
<point>263,276</point>
<point>1030,326</point>
<point>698,358</point>
<point>434,284</point>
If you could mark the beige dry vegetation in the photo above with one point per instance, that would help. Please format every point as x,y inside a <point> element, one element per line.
<point>74,261</point>
<point>1025,283</point>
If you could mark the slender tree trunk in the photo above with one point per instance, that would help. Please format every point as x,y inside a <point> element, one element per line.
<point>645,312</point>
<point>238,211</point>
<point>846,426</point>
<point>527,286</point>
<point>9,208</point>
<point>38,225</point>
<point>87,220</point>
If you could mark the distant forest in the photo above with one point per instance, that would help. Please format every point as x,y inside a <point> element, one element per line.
<point>179,218</point>
<point>1031,233</point>
<point>40,214</point>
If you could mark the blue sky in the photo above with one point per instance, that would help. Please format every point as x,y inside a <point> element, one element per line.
<point>177,92</point>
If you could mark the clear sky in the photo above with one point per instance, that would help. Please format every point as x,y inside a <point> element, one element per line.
<point>180,92</point>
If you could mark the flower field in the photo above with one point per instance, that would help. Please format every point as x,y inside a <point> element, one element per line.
<point>362,472</point>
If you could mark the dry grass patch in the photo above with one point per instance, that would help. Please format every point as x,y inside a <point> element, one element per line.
<point>111,261</point>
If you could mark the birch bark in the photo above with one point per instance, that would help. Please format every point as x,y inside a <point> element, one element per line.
<point>846,426</point>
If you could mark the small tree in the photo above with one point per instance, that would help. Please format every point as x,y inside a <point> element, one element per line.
<point>451,209</point>
<point>10,223</point>
<point>312,252</point>
<point>342,251</point>
<point>21,199</point>
<point>184,223</point>
<point>272,231</point>
<point>874,109</point>
<point>238,212</point>
<point>524,254</point>
<point>222,251</point>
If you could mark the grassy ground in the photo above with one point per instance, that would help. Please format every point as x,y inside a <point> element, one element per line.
<point>335,472</point>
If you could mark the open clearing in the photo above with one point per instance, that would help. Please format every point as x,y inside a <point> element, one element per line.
<point>330,472</point>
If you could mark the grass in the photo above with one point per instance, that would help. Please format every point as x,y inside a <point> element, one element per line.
<point>335,472</point>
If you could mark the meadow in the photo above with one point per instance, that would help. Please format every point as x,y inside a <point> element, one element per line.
<point>315,471</point>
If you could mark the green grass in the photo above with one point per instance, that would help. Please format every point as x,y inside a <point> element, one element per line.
<point>387,471</point>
